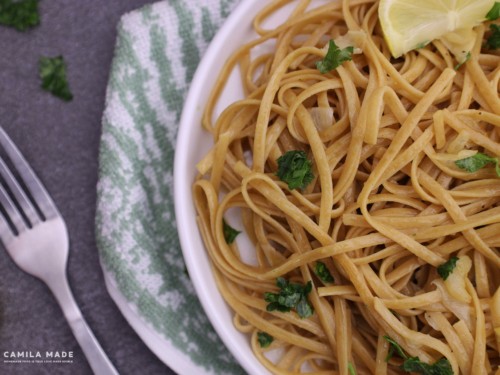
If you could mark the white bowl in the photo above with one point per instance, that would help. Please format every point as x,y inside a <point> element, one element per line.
<point>192,145</point>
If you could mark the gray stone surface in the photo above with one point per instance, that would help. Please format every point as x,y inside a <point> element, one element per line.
<point>61,142</point>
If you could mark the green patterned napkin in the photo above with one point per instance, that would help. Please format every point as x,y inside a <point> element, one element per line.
<point>157,52</point>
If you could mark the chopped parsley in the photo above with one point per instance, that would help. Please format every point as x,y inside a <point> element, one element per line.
<point>323,272</point>
<point>265,339</point>
<point>494,12</point>
<point>229,232</point>
<point>394,347</point>
<point>445,269</point>
<point>52,71</point>
<point>415,365</point>
<point>295,169</point>
<point>351,369</point>
<point>475,162</point>
<point>467,58</point>
<point>21,15</point>
<point>334,57</point>
<point>493,41</point>
<point>422,45</point>
<point>290,296</point>
<point>440,367</point>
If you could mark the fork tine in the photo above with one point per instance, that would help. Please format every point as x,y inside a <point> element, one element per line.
<point>6,233</point>
<point>11,210</point>
<point>31,181</point>
<point>19,194</point>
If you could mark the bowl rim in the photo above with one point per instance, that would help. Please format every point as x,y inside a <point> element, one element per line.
<point>184,178</point>
<point>237,28</point>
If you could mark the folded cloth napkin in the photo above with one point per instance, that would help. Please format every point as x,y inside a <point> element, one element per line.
<point>157,52</point>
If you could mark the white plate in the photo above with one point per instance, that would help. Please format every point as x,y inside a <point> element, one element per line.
<point>192,144</point>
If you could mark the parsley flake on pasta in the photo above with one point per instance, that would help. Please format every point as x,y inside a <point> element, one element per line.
<point>295,169</point>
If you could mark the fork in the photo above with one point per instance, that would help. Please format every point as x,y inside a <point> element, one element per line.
<point>34,234</point>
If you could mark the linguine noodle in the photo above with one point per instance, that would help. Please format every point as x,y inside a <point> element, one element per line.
<point>387,205</point>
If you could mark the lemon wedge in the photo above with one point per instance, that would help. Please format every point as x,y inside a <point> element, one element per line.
<point>410,24</point>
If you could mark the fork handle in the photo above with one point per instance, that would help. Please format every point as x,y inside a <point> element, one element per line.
<point>97,359</point>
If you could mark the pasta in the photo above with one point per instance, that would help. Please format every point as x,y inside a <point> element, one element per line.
<point>387,207</point>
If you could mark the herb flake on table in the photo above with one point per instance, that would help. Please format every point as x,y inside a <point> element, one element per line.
<point>334,57</point>
<point>21,15</point>
<point>291,295</point>
<point>295,169</point>
<point>52,71</point>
